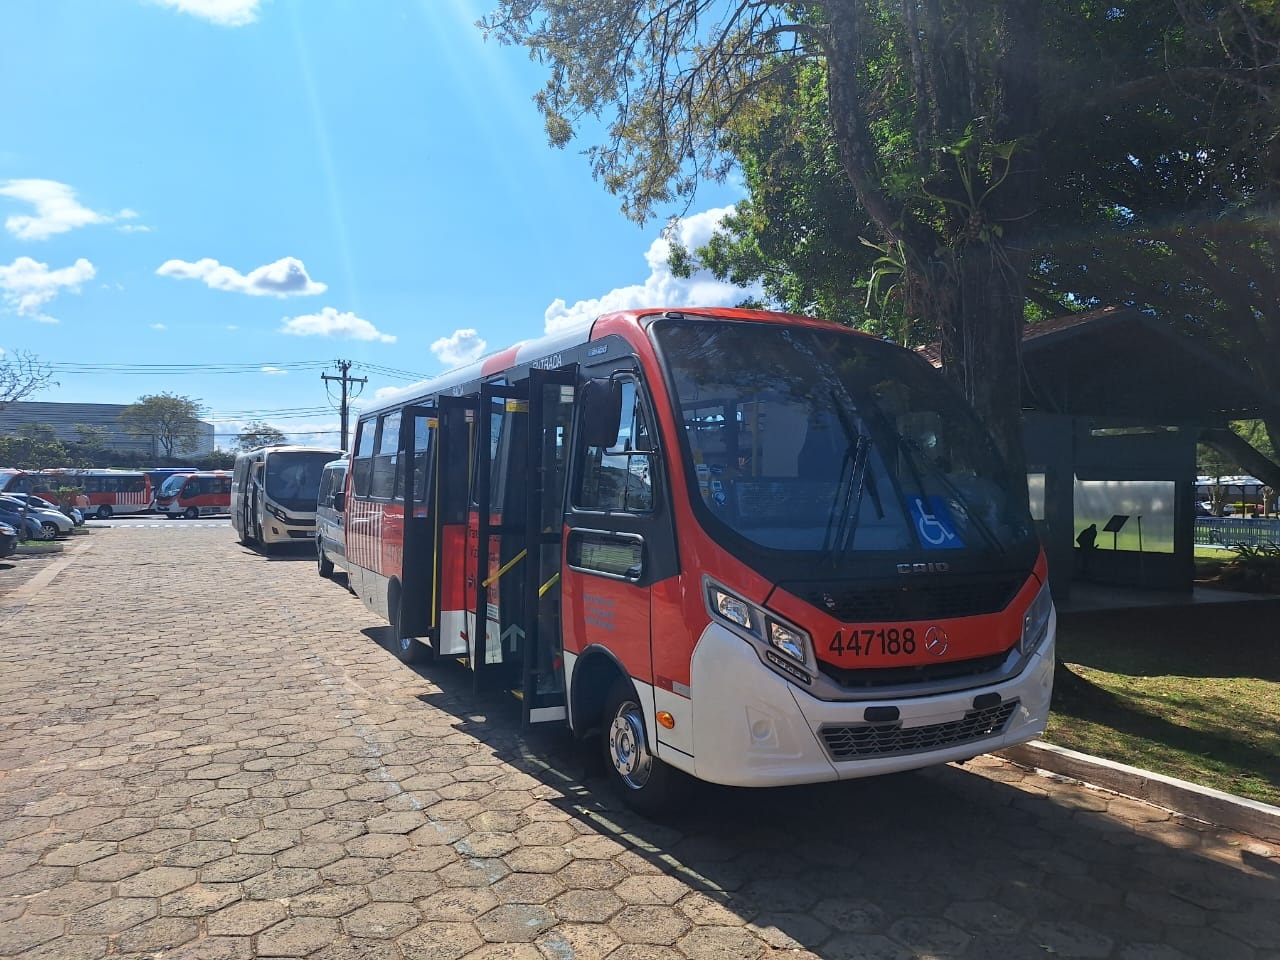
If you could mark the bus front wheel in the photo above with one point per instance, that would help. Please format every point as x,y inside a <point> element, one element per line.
<point>646,784</point>
<point>104,512</point>
<point>191,513</point>
<point>323,563</point>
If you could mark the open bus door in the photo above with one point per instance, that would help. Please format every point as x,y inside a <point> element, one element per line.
<point>514,540</point>
<point>550,418</point>
<point>419,598</point>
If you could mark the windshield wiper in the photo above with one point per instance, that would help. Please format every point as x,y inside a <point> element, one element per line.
<point>843,520</point>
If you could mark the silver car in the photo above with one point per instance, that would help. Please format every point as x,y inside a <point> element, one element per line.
<point>52,522</point>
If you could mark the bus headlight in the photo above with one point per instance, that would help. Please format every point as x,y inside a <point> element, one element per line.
<point>746,618</point>
<point>1035,622</point>
<point>794,643</point>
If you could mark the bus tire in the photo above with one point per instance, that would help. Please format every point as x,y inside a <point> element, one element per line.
<point>645,783</point>
<point>323,564</point>
<point>407,649</point>
<point>191,513</point>
<point>104,512</point>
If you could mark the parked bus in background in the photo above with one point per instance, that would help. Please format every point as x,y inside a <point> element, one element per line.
<point>14,481</point>
<point>196,494</point>
<point>756,548</point>
<point>273,494</point>
<point>103,493</point>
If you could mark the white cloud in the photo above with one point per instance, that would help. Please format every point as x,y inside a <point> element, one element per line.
<point>287,277</point>
<point>158,326</point>
<point>56,210</point>
<point>225,13</point>
<point>461,346</point>
<point>275,372</point>
<point>232,326</point>
<point>330,323</point>
<point>27,285</point>
<point>661,288</point>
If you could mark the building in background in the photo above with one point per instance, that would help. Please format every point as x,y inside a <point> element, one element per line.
<point>17,419</point>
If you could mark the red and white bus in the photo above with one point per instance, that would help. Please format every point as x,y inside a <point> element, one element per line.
<point>756,548</point>
<point>198,494</point>
<point>107,492</point>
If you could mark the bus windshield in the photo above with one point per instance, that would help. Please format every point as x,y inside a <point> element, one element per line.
<point>172,485</point>
<point>802,441</point>
<point>293,477</point>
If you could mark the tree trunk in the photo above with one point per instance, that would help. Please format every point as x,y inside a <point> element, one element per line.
<point>979,306</point>
<point>1238,450</point>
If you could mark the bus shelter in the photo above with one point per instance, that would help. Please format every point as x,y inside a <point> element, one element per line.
<point>1114,404</point>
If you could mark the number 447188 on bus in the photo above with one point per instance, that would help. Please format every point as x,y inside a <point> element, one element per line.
<point>750,548</point>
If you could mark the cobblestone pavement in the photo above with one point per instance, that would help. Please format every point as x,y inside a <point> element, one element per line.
<point>205,753</point>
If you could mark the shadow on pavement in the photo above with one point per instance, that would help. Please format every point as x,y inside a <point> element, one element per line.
<point>994,862</point>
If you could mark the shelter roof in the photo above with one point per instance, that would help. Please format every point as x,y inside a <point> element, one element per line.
<point>1121,364</point>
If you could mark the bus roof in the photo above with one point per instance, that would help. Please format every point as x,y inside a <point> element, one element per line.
<point>527,351</point>
<point>291,448</point>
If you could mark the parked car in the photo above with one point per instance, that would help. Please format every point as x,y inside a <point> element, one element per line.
<point>8,540</point>
<point>52,522</point>
<point>42,503</point>
<point>28,527</point>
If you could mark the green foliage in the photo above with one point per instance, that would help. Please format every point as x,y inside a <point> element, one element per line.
<point>259,434</point>
<point>29,453</point>
<point>1255,568</point>
<point>174,421</point>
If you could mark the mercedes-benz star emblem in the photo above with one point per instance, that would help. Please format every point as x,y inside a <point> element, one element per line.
<point>936,641</point>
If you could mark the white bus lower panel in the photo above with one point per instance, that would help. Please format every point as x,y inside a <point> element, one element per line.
<point>751,727</point>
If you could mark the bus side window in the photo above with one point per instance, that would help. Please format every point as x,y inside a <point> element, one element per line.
<point>620,477</point>
<point>383,485</point>
<point>362,463</point>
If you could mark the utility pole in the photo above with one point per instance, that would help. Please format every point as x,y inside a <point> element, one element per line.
<point>346,380</point>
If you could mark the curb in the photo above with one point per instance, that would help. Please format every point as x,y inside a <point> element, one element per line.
<point>1256,819</point>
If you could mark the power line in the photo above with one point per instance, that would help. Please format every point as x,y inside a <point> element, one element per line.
<point>346,380</point>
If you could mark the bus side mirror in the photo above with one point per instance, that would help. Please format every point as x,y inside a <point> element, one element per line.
<point>339,501</point>
<point>601,412</point>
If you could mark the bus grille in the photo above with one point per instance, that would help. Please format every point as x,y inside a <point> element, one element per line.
<point>906,598</point>
<point>977,669</point>
<point>863,741</point>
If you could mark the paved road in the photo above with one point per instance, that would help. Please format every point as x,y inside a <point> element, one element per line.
<point>207,754</point>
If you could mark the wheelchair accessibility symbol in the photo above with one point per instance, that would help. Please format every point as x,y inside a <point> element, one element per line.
<point>934,524</point>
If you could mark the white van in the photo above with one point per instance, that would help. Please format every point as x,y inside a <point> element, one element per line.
<point>331,542</point>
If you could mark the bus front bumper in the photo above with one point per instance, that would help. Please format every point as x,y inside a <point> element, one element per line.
<point>753,728</point>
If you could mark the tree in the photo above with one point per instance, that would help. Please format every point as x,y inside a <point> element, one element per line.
<point>173,421</point>
<point>934,116</point>
<point>34,453</point>
<point>22,375</point>
<point>259,434</point>
<point>91,436</point>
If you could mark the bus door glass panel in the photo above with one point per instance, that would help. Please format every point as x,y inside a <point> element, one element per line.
<point>614,497</point>
<point>508,561</point>
<point>386,529</point>
<point>488,485</point>
<point>452,468</point>
<point>414,492</point>
<point>549,466</point>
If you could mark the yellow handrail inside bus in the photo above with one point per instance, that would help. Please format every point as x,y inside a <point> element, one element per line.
<point>505,567</point>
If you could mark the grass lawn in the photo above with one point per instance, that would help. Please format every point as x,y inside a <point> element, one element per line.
<point>1191,692</point>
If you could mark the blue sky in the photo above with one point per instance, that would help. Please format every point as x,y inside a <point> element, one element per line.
<point>270,185</point>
